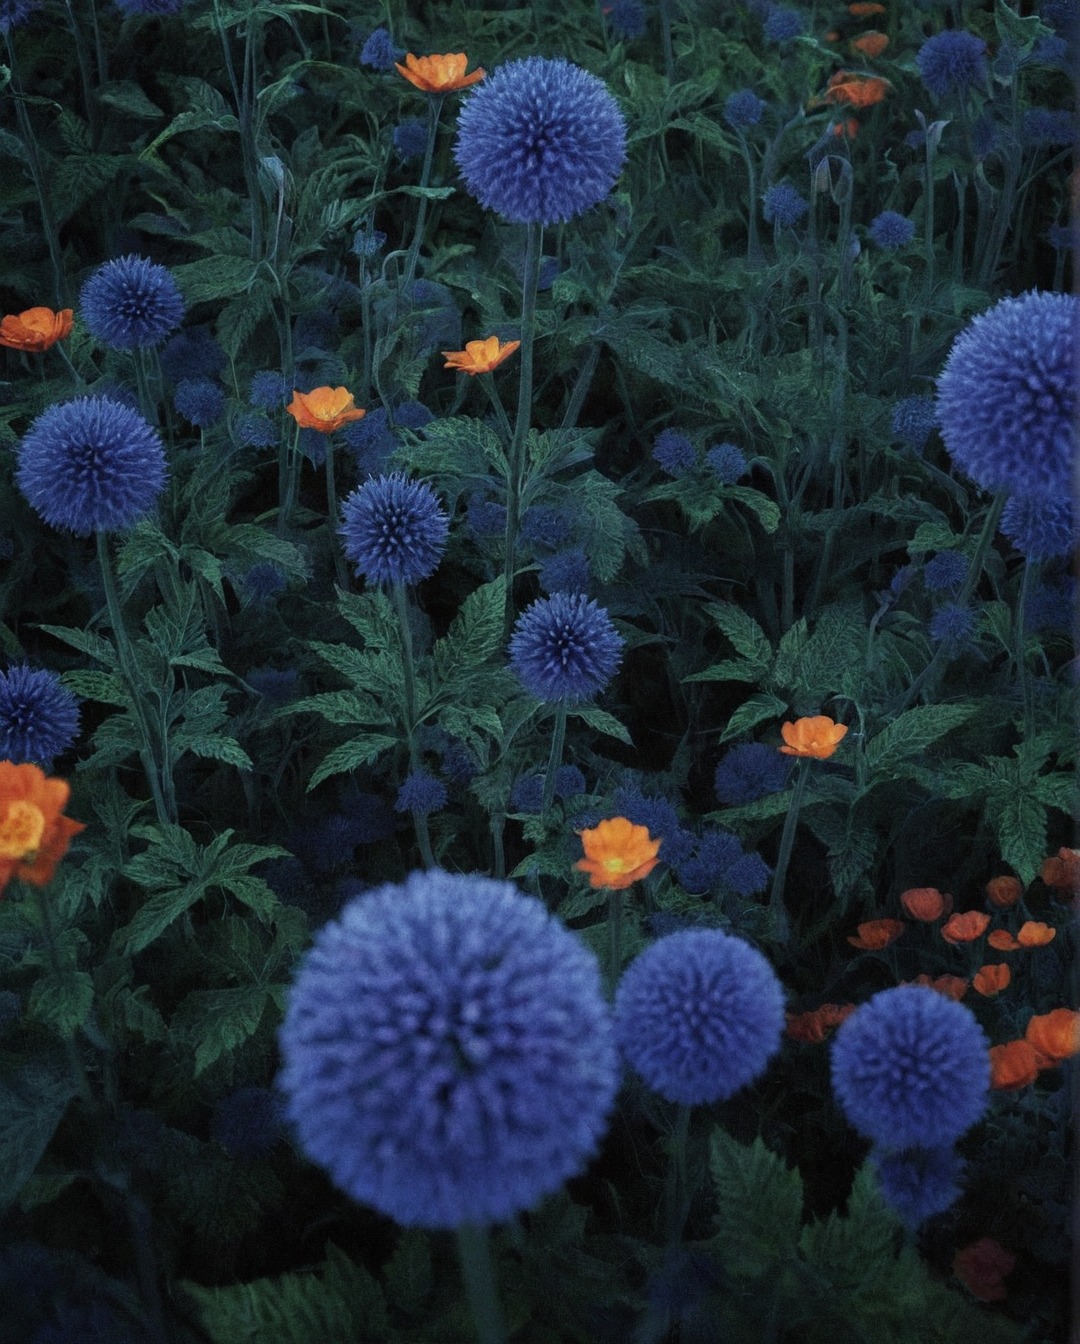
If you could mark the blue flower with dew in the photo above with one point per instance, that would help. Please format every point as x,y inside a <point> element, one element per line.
<point>784,206</point>
<point>698,1015</point>
<point>675,452</point>
<point>564,648</point>
<point>379,51</point>
<point>952,62</point>
<point>448,1053</point>
<point>1040,529</point>
<point>540,141</point>
<point>1006,398</point>
<point>131,303</point>
<point>913,421</point>
<point>727,462</point>
<point>566,572</point>
<point>918,1183</point>
<point>39,716</point>
<point>199,401</point>
<point>946,572</point>
<point>91,465</point>
<point>891,230</point>
<point>248,1123</point>
<point>911,1068</point>
<point>750,771</point>
<point>269,391</point>
<point>743,109</point>
<point>394,530</point>
<point>421,793</point>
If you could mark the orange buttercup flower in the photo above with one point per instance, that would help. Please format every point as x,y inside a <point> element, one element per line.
<point>480,356</point>
<point>925,903</point>
<point>1056,1035</point>
<point>952,986</point>
<point>1061,870</point>
<point>847,86</point>
<point>34,833</point>
<point>1001,940</point>
<point>991,980</point>
<point>35,329</point>
<point>812,1027</point>
<point>981,1268</point>
<point>1034,934</point>
<point>617,853</point>
<point>870,44</point>
<point>324,408</point>
<point>876,934</point>
<point>1004,891</point>
<point>862,10</point>
<point>1013,1065</point>
<point>439,74</point>
<point>816,736</point>
<point>965,928</point>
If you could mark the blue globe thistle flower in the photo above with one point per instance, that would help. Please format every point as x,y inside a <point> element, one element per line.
<point>540,141</point>
<point>131,303</point>
<point>91,465</point>
<point>368,242</point>
<point>448,1053</point>
<point>527,794</point>
<point>627,19</point>
<point>1044,127</point>
<point>743,109</point>
<point>675,452</point>
<point>1051,51</point>
<point>946,572</point>
<point>784,206</point>
<point>918,1183</point>
<point>952,625</point>
<point>662,922</point>
<point>782,25</point>
<point>984,137</point>
<point>247,1123</point>
<point>394,529</point>
<point>913,421</point>
<point>264,580</point>
<point>911,1068</point>
<point>458,763</point>
<point>952,62</point>
<point>254,430</point>
<point>192,353</point>
<point>411,415</point>
<point>1050,606</point>
<point>750,771</point>
<point>379,51</point>
<point>421,793</point>
<point>485,518</point>
<point>14,13</point>
<point>39,716</point>
<point>1007,395</point>
<point>891,230</point>
<point>370,816</point>
<point>721,861</point>
<point>410,138</point>
<point>1062,15</point>
<point>659,818</point>
<point>199,401</point>
<point>699,1015</point>
<point>566,572</point>
<point>269,391</point>
<point>1040,529</point>
<point>546,527</point>
<point>160,7</point>
<point>371,441</point>
<point>727,461</point>
<point>565,648</point>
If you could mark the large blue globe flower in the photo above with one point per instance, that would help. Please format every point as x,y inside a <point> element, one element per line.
<point>565,648</point>
<point>91,465</point>
<point>918,1183</point>
<point>911,1068</point>
<point>540,141</point>
<point>1007,395</point>
<point>698,1015</point>
<point>394,530</point>
<point>39,716</point>
<point>131,303</point>
<point>448,1053</point>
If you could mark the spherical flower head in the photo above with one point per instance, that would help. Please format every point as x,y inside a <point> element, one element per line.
<point>546,527</point>
<point>891,230</point>
<point>565,648</point>
<point>1039,528</point>
<point>952,62</point>
<point>783,206</point>
<point>35,329</point>
<point>324,409</point>
<point>14,13</point>
<point>268,390</point>
<point>131,303</point>
<point>410,138</point>
<point>952,625</point>
<point>1046,128</point>
<point>727,462</point>
<point>627,19</point>
<point>749,772</point>
<point>566,572</point>
<point>485,518</point>
<point>192,353</point>
<point>617,854</point>
<point>743,109</point>
<point>913,421</point>
<point>255,430</point>
<point>946,572</point>
<point>379,51</point>
<point>540,141</point>
<point>698,1015</point>
<point>199,401</point>
<point>34,833</point>
<point>448,1053</point>
<point>816,735</point>
<point>782,25</point>
<point>911,1068</point>
<point>720,861</point>
<point>91,465</point>
<point>39,716</point>
<point>659,817</point>
<point>918,1183</point>
<point>394,529</point>
<point>675,452</point>
<point>422,794</point>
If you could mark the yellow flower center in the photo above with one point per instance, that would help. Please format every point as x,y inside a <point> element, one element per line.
<point>21,831</point>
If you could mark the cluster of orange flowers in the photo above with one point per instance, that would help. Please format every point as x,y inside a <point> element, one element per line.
<point>1048,1040</point>
<point>35,329</point>
<point>854,88</point>
<point>34,833</point>
<point>812,1027</point>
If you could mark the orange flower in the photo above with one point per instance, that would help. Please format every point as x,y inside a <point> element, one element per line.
<point>817,736</point>
<point>617,853</point>
<point>952,986</point>
<point>480,356</point>
<point>1061,870</point>
<point>324,408</point>
<point>34,833</point>
<point>1004,891</point>
<point>981,1268</point>
<point>925,903</point>
<point>965,928</point>
<point>1034,934</point>
<point>870,44</point>
<point>848,128</point>
<point>439,74</point>
<point>1013,1065</point>
<point>1056,1035</point>
<point>1001,940</point>
<point>876,934</point>
<point>35,329</point>
<point>861,10</point>
<point>812,1027</point>
<point>847,86</point>
<point>991,980</point>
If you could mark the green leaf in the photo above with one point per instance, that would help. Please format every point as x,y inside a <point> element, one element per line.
<point>213,747</point>
<point>127,97</point>
<point>213,278</point>
<point>62,1000</point>
<point>34,1094</point>
<point>857,1249</point>
<point>603,722</point>
<point>727,670</point>
<point>759,1204</point>
<point>91,685</point>
<point>360,750</point>
<point>408,1272</point>
<point>764,509</point>
<point>349,708</point>
<point>85,641</point>
<point>216,1021</point>
<point>744,632</point>
<point>154,916</point>
<point>1019,821</point>
<point>371,614</point>
<point>475,634</point>
<point>912,733</point>
<point>758,709</point>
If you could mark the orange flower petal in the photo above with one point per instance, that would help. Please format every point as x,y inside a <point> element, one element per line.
<point>480,356</point>
<point>34,835</point>
<point>925,903</point>
<point>846,86</point>
<point>965,928</point>
<point>812,1027</point>
<point>617,853</point>
<point>952,986</point>
<point>439,74</point>
<point>870,44</point>
<point>991,980</point>
<point>324,409</point>
<point>1062,870</point>
<point>1055,1035</point>
<point>816,735</point>
<point>35,329</point>
<point>1013,1065</point>
<point>1004,891</point>
<point>1034,934</point>
<point>1001,940</point>
<point>876,934</point>
<point>863,8</point>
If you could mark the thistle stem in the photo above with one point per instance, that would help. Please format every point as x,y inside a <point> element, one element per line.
<point>474,1253</point>
<point>435,104</point>
<point>558,739</point>
<point>778,921</point>
<point>408,670</point>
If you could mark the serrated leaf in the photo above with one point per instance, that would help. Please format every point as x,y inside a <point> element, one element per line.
<point>744,633</point>
<point>91,685</point>
<point>350,708</point>
<point>209,278</point>
<point>371,614</point>
<point>360,750</point>
<point>154,917</point>
<point>34,1095</point>
<point>604,723</point>
<point>1019,822</point>
<point>213,747</point>
<point>85,641</point>
<point>856,1249</point>
<point>216,1021</point>
<point>758,709</point>
<point>126,96</point>
<point>475,633</point>
<point>764,509</point>
<point>727,670</point>
<point>759,1204</point>
<point>912,733</point>
<point>62,1000</point>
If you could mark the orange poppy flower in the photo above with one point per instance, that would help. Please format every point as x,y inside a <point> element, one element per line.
<point>965,928</point>
<point>952,986</point>
<point>925,903</point>
<point>1061,870</point>
<point>34,833</point>
<point>861,10</point>
<point>811,1028</point>
<point>1056,1035</point>
<point>35,329</point>
<point>847,86</point>
<point>981,1268</point>
<point>1013,1065</point>
<point>816,736</point>
<point>480,356</point>
<point>1034,934</point>
<point>439,74</point>
<point>870,44</point>
<point>1001,940</point>
<point>1004,891</point>
<point>991,980</point>
<point>876,934</point>
<point>617,853</point>
<point>324,408</point>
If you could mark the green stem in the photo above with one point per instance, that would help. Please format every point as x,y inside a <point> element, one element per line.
<point>75,1063</point>
<point>778,921</point>
<point>435,104</point>
<point>675,1189</point>
<point>474,1253</point>
<point>288,478</point>
<point>490,387</point>
<point>753,248</point>
<point>142,383</point>
<point>615,923</point>
<point>340,568</point>
<point>408,671</point>
<point>558,739</point>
